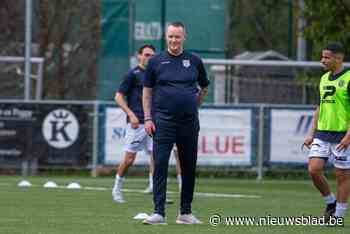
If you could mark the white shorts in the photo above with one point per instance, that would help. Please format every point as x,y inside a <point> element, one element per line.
<point>137,140</point>
<point>327,150</point>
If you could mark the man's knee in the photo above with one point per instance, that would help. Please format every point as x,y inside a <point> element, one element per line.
<point>129,159</point>
<point>316,167</point>
<point>342,175</point>
<point>315,171</point>
<point>161,165</point>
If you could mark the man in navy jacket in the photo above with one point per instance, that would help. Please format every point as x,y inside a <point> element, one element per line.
<point>175,84</point>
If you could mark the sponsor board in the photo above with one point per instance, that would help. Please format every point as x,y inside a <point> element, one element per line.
<point>224,138</point>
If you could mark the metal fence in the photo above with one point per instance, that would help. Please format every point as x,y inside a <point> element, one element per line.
<point>88,135</point>
<point>268,81</point>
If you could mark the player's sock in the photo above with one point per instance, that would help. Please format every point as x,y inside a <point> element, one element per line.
<point>117,189</point>
<point>150,181</point>
<point>329,198</point>
<point>179,181</point>
<point>119,181</point>
<point>340,209</point>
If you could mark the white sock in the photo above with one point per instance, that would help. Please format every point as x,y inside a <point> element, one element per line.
<point>119,181</point>
<point>340,209</point>
<point>329,199</point>
<point>150,179</point>
<point>179,181</point>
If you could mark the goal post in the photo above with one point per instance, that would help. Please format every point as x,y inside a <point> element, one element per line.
<point>39,61</point>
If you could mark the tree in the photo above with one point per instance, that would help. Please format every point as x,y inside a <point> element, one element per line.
<point>260,25</point>
<point>69,41</point>
<point>11,44</point>
<point>327,20</point>
<point>11,27</point>
<point>66,33</point>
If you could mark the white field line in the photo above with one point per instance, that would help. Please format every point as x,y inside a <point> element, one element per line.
<point>228,195</point>
<point>199,194</point>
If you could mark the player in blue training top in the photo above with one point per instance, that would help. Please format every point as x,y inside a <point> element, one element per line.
<point>170,101</point>
<point>136,137</point>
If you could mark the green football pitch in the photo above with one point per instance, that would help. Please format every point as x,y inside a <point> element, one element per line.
<point>91,210</point>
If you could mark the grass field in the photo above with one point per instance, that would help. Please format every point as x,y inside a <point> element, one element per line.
<point>41,210</point>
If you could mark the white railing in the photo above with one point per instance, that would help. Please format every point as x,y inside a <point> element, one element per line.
<point>288,63</point>
<point>39,76</point>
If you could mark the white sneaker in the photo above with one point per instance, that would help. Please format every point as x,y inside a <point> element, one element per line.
<point>155,219</point>
<point>187,219</point>
<point>117,196</point>
<point>148,190</point>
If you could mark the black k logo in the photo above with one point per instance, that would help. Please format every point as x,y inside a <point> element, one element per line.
<point>60,128</point>
<point>56,130</point>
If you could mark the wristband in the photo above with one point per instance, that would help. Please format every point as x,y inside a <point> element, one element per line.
<point>148,119</point>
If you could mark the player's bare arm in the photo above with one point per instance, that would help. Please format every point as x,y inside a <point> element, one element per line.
<point>134,121</point>
<point>310,137</point>
<point>345,142</point>
<point>146,102</point>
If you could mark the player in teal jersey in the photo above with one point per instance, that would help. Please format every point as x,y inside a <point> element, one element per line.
<point>330,135</point>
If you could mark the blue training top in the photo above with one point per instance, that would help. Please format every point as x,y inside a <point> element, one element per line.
<point>131,87</point>
<point>174,81</point>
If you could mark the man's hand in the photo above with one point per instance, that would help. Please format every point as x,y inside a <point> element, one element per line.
<point>308,141</point>
<point>310,138</point>
<point>199,100</point>
<point>201,95</point>
<point>344,143</point>
<point>134,121</point>
<point>150,127</point>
